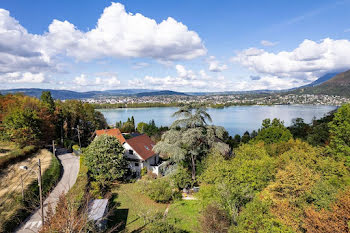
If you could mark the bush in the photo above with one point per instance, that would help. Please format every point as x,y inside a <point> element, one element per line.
<point>214,219</point>
<point>105,159</point>
<point>143,171</point>
<point>160,190</point>
<point>181,178</point>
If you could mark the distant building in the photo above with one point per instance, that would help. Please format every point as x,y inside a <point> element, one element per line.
<point>138,150</point>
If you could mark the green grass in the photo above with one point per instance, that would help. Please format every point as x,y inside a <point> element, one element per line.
<point>184,215</point>
<point>78,191</point>
<point>130,204</point>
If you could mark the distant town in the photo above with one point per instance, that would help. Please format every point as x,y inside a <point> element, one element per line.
<point>220,100</point>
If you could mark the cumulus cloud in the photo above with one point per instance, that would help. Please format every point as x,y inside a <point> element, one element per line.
<point>20,51</point>
<point>214,65</point>
<point>307,62</point>
<point>268,43</point>
<point>184,80</point>
<point>105,80</point>
<point>117,34</point>
<point>122,34</point>
<point>22,77</point>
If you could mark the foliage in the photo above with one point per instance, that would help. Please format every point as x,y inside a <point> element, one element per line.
<point>299,128</point>
<point>79,190</point>
<point>190,138</point>
<point>161,190</point>
<point>335,220</point>
<point>105,160</point>
<point>245,137</point>
<point>233,183</point>
<point>181,178</point>
<point>273,132</point>
<point>144,171</point>
<point>141,127</point>
<point>214,219</point>
<point>256,217</point>
<point>340,132</point>
<point>48,101</point>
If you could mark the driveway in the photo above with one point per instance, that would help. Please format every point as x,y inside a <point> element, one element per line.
<point>70,164</point>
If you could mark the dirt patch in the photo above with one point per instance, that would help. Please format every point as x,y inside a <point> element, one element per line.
<point>11,176</point>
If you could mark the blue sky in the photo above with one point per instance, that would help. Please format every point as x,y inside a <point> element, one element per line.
<point>178,45</point>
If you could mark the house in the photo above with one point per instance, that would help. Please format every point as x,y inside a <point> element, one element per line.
<point>138,151</point>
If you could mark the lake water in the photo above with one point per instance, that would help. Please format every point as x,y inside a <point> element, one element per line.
<point>236,119</point>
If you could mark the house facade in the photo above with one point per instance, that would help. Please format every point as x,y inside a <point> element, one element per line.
<point>138,151</point>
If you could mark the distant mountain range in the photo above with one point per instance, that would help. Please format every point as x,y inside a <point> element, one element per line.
<point>329,84</point>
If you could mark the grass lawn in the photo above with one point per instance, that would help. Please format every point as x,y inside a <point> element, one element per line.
<point>184,214</point>
<point>131,206</point>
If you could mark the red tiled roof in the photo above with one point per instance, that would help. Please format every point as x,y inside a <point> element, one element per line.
<point>112,132</point>
<point>142,145</point>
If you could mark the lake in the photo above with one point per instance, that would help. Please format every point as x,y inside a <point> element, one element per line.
<point>235,119</point>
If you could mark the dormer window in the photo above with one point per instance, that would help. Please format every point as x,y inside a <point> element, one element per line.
<point>146,147</point>
<point>131,152</point>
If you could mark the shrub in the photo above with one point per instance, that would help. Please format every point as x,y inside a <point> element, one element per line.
<point>214,219</point>
<point>181,178</point>
<point>105,159</point>
<point>143,171</point>
<point>160,190</point>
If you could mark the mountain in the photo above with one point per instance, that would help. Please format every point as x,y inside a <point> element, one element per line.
<point>65,94</point>
<point>337,85</point>
<point>321,80</point>
<point>157,93</point>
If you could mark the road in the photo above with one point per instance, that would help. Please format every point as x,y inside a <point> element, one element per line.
<point>70,164</point>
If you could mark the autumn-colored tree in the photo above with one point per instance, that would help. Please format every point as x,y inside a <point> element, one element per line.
<point>335,220</point>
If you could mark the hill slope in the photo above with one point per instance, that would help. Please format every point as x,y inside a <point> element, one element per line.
<point>338,85</point>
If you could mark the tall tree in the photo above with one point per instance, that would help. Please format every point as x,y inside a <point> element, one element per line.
<point>48,101</point>
<point>190,138</point>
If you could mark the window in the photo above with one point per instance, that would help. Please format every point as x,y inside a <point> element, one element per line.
<point>146,147</point>
<point>131,152</point>
<point>136,164</point>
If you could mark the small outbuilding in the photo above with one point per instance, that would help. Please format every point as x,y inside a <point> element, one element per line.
<point>97,212</point>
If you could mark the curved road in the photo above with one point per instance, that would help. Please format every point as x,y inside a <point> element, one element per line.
<point>71,165</point>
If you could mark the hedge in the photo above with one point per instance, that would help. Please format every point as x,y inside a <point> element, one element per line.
<point>49,180</point>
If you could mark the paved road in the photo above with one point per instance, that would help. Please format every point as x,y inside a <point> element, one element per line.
<point>71,166</point>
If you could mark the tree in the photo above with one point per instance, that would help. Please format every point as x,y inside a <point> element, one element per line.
<point>48,101</point>
<point>190,138</point>
<point>273,132</point>
<point>299,128</point>
<point>141,126</point>
<point>340,132</point>
<point>181,178</point>
<point>246,137</point>
<point>105,159</point>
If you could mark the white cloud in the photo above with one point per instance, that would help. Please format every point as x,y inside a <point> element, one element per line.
<point>122,34</point>
<point>108,81</point>
<point>214,65</point>
<point>81,80</point>
<point>307,62</point>
<point>268,43</point>
<point>185,80</point>
<point>22,77</point>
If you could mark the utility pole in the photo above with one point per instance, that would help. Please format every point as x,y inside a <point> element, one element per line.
<point>22,188</point>
<point>79,136</point>
<point>53,148</point>
<point>40,192</point>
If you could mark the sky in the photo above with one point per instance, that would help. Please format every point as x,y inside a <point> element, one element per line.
<point>190,46</point>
